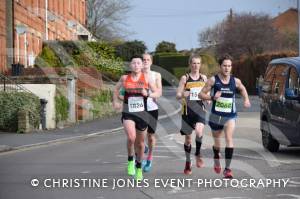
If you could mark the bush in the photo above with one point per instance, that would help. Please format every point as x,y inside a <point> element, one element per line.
<point>47,58</point>
<point>126,50</point>
<point>11,103</point>
<point>81,53</point>
<point>102,106</point>
<point>179,71</point>
<point>249,68</point>
<point>169,61</point>
<point>61,108</point>
<point>165,46</point>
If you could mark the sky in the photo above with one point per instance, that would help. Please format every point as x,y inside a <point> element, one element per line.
<point>180,21</point>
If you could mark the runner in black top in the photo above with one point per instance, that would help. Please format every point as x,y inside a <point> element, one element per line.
<point>193,110</point>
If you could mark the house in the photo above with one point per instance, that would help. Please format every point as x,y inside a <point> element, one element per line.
<point>25,24</point>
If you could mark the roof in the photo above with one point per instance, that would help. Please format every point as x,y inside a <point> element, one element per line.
<point>293,61</point>
<point>287,21</point>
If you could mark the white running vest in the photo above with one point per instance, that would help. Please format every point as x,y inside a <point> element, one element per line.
<point>151,104</point>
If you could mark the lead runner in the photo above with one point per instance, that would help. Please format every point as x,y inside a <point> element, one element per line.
<point>223,113</point>
<point>134,115</point>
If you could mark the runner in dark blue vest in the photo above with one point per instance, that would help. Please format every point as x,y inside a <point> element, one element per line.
<point>223,88</point>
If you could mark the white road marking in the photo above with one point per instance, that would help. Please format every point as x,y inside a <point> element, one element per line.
<point>155,156</point>
<point>261,158</point>
<point>238,197</point>
<point>294,182</point>
<point>173,151</point>
<point>85,172</point>
<point>290,195</point>
<point>165,146</point>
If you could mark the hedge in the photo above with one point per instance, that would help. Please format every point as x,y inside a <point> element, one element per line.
<point>169,61</point>
<point>173,61</point>
<point>179,71</point>
<point>11,103</point>
<point>250,68</point>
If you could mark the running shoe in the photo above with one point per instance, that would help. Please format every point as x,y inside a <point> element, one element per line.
<point>144,162</point>
<point>147,166</point>
<point>227,173</point>
<point>139,174</point>
<point>217,166</point>
<point>130,168</point>
<point>188,168</point>
<point>199,161</point>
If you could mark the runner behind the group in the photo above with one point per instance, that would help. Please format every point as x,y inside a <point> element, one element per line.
<point>152,108</point>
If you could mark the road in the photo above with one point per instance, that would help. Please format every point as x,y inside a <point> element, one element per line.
<point>70,170</point>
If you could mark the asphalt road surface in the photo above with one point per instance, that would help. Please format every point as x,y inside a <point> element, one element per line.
<point>95,167</point>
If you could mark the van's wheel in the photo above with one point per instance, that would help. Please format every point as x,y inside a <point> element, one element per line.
<point>269,142</point>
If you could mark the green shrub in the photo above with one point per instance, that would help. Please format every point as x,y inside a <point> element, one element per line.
<point>81,53</point>
<point>179,71</point>
<point>102,106</point>
<point>127,49</point>
<point>47,58</point>
<point>61,108</point>
<point>102,49</point>
<point>165,46</point>
<point>11,103</point>
<point>169,61</point>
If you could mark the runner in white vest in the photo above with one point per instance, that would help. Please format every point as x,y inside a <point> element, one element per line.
<point>152,108</point>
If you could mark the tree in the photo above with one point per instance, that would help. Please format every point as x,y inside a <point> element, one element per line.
<point>127,49</point>
<point>211,36</point>
<point>241,34</point>
<point>165,46</point>
<point>105,18</point>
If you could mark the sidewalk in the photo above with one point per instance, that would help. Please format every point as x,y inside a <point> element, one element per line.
<point>14,141</point>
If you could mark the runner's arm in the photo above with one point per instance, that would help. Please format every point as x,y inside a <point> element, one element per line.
<point>158,83</point>
<point>117,88</point>
<point>205,92</point>
<point>180,89</point>
<point>156,93</point>
<point>243,91</point>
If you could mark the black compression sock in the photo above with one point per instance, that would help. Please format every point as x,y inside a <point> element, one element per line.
<point>216,152</point>
<point>228,157</point>
<point>187,149</point>
<point>130,158</point>
<point>198,145</point>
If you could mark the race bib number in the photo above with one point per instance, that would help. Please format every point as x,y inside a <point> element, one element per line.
<point>224,105</point>
<point>194,92</point>
<point>136,104</point>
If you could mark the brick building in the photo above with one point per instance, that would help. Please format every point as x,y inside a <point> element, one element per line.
<point>25,24</point>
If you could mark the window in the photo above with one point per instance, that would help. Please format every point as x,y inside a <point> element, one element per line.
<point>293,82</point>
<point>280,77</point>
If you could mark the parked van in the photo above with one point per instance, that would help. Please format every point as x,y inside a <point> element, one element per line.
<point>280,104</point>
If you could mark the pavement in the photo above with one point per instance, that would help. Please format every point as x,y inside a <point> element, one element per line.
<point>14,141</point>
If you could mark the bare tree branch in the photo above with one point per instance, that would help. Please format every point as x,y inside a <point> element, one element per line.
<point>106,18</point>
